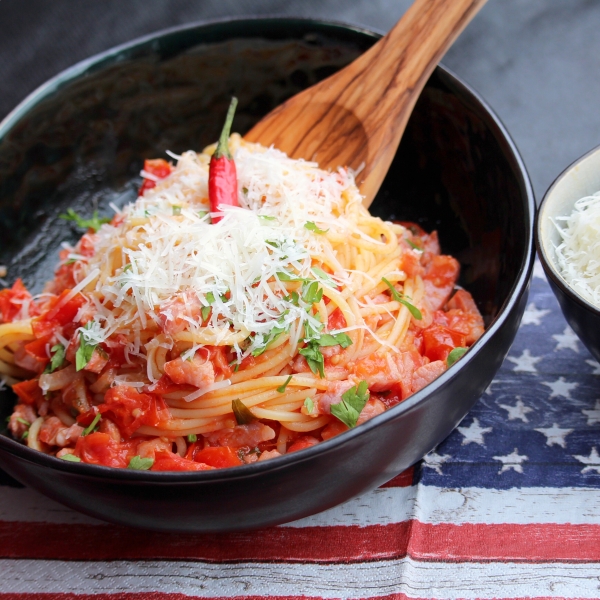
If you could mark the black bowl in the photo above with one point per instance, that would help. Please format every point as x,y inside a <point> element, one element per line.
<point>580,179</point>
<point>81,139</point>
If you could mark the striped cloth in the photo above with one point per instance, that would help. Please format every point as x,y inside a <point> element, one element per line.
<point>507,507</point>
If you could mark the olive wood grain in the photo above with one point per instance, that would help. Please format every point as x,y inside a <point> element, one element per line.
<point>357,116</point>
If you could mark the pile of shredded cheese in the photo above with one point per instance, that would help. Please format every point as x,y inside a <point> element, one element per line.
<point>167,248</point>
<point>578,255</point>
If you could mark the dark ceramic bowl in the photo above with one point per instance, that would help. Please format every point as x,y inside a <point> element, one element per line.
<point>580,179</point>
<point>80,141</point>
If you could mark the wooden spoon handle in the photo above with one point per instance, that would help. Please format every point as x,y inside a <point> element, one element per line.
<point>357,116</point>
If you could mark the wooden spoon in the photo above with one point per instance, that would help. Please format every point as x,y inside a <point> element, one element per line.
<point>357,116</point>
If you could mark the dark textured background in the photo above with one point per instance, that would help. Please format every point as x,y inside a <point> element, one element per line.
<point>537,62</point>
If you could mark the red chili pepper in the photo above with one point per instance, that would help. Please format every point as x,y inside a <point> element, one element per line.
<point>222,177</point>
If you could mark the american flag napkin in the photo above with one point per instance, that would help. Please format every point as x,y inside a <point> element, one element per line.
<point>507,507</point>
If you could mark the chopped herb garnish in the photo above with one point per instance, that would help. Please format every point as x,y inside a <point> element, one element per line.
<point>413,245</point>
<point>94,223</point>
<point>283,276</point>
<point>244,190</point>
<point>454,355</point>
<point>92,426</point>
<point>25,435</point>
<point>176,211</point>
<point>127,267</point>
<point>312,227</point>
<point>311,292</point>
<point>202,214</point>
<point>414,311</point>
<point>268,339</point>
<point>281,388</point>
<point>70,458</point>
<point>85,350</point>
<point>324,277</point>
<point>140,464</point>
<point>333,339</point>
<point>273,244</point>
<point>192,437</point>
<point>210,297</point>
<point>205,312</point>
<point>57,360</point>
<point>314,358</point>
<point>23,421</point>
<point>242,413</point>
<point>310,405</point>
<point>353,401</point>
<point>293,298</point>
<point>71,261</point>
<point>266,217</point>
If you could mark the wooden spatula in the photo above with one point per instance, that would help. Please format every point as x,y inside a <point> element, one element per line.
<point>357,116</point>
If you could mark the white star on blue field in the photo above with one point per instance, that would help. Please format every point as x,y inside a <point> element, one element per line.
<point>538,423</point>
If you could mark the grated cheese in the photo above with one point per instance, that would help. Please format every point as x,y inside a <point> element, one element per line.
<point>578,255</point>
<point>165,261</point>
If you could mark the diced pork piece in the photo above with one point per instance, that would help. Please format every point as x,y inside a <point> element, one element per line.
<point>197,372</point>
<point>22,417</point>
<point>372,408</point>
<point>426,374</point>
<point>440,278</point>
<point>333,395</point>
<point>54,433</point>
<point>241,435</point>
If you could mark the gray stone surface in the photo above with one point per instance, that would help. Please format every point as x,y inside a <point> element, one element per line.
<point>537,62</point>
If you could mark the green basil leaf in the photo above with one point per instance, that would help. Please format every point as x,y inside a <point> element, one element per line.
<point>333,339</point>
<point>210,297</point>
<point>311,292</point>
<point>275,332</point>
<point>58,358</point>
<point>205,312</point>
<point>94,223</point>
<point>454,355</point>
<point>281,388</point>
<point>140,464</point>
<point>176,211</point>
<point>85,351</point>
<point>242,413</point>
<point>414,311</point>
<point>23,421</point>
<point>92,425</point>
<point>324,277</point>
<point>192,437</point>
<point>309,404</point>
<point>353,401</point>
<point>283,276</point>
<point>312,227</point>
<point>70,458</point>
<point>314,358</point>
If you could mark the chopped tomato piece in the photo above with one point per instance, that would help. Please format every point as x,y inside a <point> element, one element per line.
<point>439,341</point>
<point>130,410</point>
<point>218,457</point>
<point>336,320</point>
<point>159,168</point>
<point>334,428</point>
<point>37,349</point>
<point>440,277</point>
<point>29,391</point>
<point>165,385</point>
<point>59,314</point>
<point>305,441</point>
<point>12,300</point>
<point>167,461</point>
<point>101,449</point>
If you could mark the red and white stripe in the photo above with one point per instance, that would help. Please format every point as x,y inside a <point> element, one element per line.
<point>399,541</point>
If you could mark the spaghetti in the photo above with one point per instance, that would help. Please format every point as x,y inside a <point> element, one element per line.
<point>167,341</point>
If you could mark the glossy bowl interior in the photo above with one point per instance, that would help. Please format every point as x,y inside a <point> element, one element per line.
<point>80,140</point>
<point>580,179</point>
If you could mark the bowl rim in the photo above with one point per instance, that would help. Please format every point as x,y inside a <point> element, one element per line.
<point>248,471</point>
<point>550,268</point>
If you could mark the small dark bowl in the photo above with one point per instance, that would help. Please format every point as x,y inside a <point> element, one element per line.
<point>80,141</point>
<point>580,179</point>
